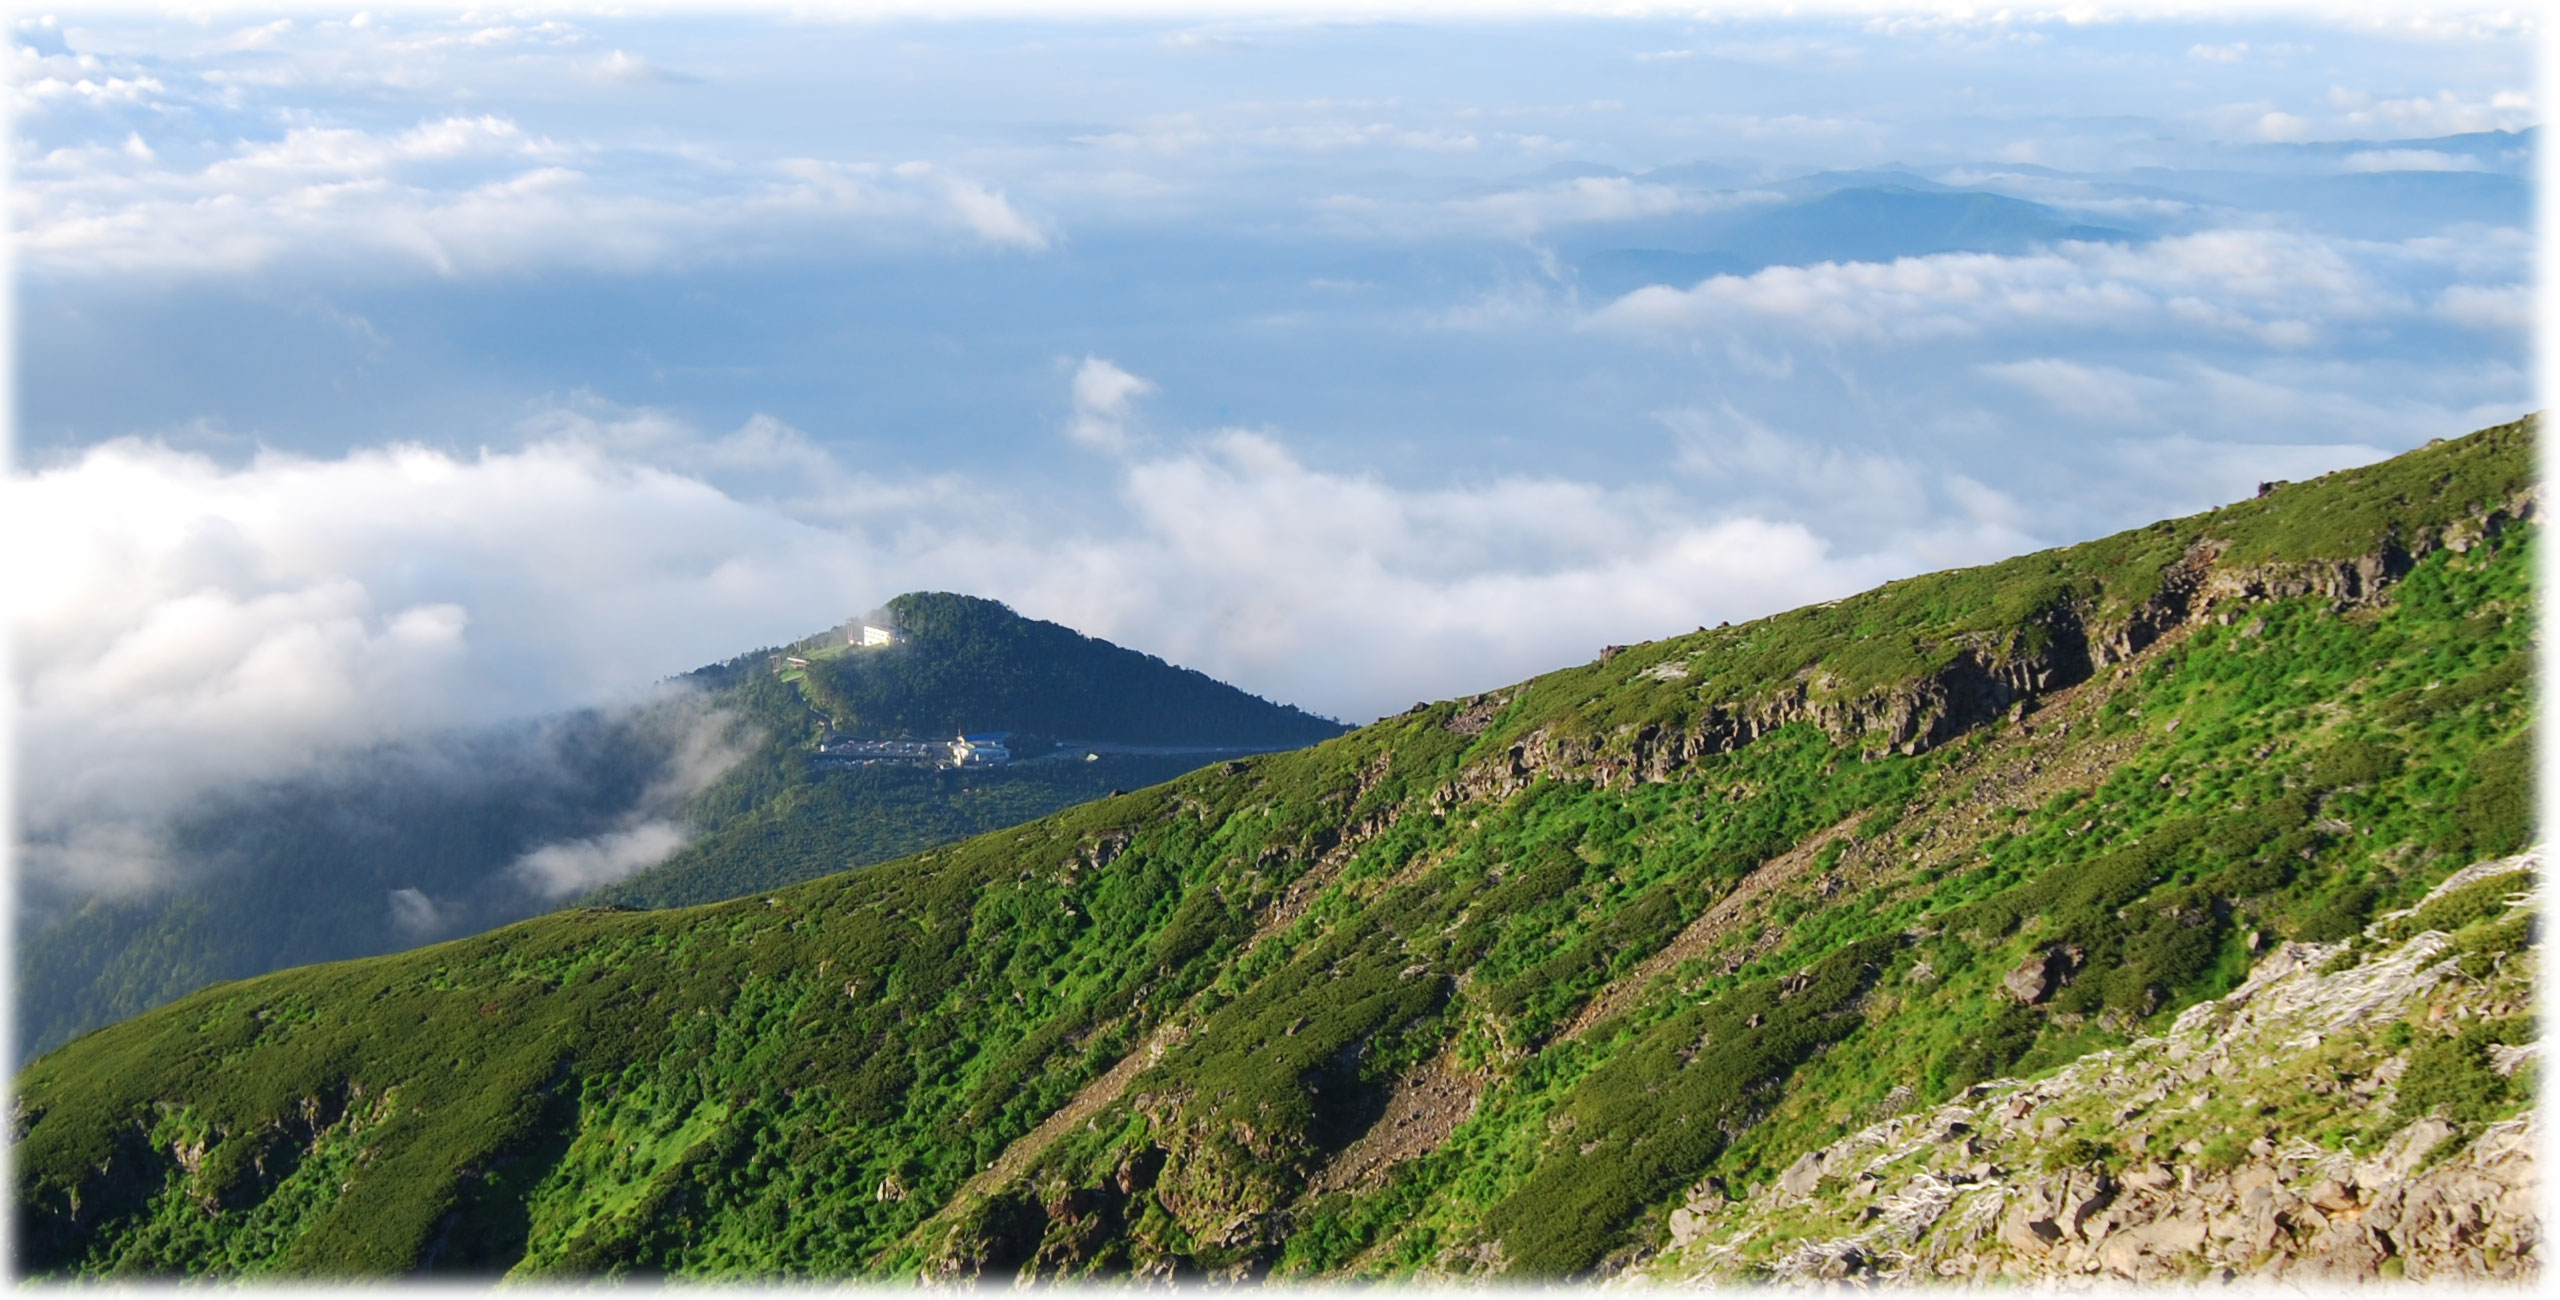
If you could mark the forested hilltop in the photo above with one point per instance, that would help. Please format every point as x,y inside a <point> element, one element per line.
<point>963,663</point>
<point>785,813</point>
<point>1902,927</point>
<point>386,849</point>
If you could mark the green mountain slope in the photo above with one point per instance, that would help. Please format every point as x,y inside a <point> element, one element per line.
<point>1490,987</point>
<point>961,664</point>
<point>316,868</point>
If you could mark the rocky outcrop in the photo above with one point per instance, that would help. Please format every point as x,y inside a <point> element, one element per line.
<point>2043,971</point>
<point>1984,677</point>
<point>2263,1135</point>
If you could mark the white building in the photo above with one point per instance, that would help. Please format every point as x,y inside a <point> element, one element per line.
<point>869,635</point>
<point>981,751</point>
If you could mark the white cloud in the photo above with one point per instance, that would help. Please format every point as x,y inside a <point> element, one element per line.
<point>1351,595</point>
<point>1520,213</point>
<point>415,915</point>
<point>42,92</point>
<point>1320,126</point>
<point>981,209</point>
<point>2487,306</point>
<point>2353,409</point>
<point>2351,114</point>
<point>470,196</point>
<point>2282,127</point>
<point>2445,113</point>
<point>625,68</point>
<point>1590,199</point>
<point>197,626</point>
<point>557,871</point>
<point>2409,160</point>
<point>2078,389</point>
<point>1886,501</point>
<point>2203,471</point>
<point>1100,397</point>
<point>2273,287</point>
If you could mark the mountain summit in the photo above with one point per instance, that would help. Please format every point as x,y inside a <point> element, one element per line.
<point>962,663</point>
<point>2142,908</point>
<point>408,843</point>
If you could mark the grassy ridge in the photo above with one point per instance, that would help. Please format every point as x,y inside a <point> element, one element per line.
<point>794,1083</point>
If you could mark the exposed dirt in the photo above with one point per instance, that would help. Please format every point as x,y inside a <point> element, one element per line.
<point>1108,1087</point>
<point>1423,1109</point>
<point>1087,1103</point>
<point>2027,762</point>
<point>1720,919</point>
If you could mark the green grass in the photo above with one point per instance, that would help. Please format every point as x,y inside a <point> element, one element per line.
<point>793,1083</point>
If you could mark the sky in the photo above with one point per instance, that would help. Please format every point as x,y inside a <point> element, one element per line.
<point>386,372</point>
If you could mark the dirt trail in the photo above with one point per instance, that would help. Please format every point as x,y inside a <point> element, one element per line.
<point>1106,1088</point>
<point>1087,1103</point>
<point>2026,764</point>
<point>1701,935</point>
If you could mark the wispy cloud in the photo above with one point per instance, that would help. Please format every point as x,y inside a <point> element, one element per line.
<point>2270,287</point>
<point>2410,160</point>
<point>572,867</point>
<point>1101,396</point>
<point>470,196</point>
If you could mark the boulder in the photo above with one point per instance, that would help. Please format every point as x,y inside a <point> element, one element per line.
<point>2150,1178</point>
<point>2033,979</point>
<point>2331,1196</point>
<point>1801,1177</point>
<point>1686,1226</point>
<point>2406,1150</point>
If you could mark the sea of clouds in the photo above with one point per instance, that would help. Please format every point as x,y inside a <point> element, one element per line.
<point>189,617</point>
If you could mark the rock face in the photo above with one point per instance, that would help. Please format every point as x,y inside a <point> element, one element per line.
<point>2160,1161</point>
<point>2040,974</point>
<point>1982,679</point>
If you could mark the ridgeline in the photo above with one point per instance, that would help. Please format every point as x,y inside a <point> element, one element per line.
<point>1608,971</point>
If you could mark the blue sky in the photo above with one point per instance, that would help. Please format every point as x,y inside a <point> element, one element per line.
<point>381,372</point>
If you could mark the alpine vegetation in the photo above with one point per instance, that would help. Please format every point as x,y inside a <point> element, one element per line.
<point>2156,907</point>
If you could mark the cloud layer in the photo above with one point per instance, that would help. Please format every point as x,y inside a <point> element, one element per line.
<point>200,625</point>
<point>2273,288</point>
<point>469,196</point>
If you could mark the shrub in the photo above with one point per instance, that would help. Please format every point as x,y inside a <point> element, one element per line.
<point>2451,1075</point>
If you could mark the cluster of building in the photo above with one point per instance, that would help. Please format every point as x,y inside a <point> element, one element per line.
<point>984,749</point>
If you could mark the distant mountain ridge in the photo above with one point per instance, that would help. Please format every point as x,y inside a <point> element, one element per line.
<point>1861,223</point>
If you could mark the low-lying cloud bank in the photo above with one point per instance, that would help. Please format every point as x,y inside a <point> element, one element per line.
<point>196,626</point>
<point>2271,288</point>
